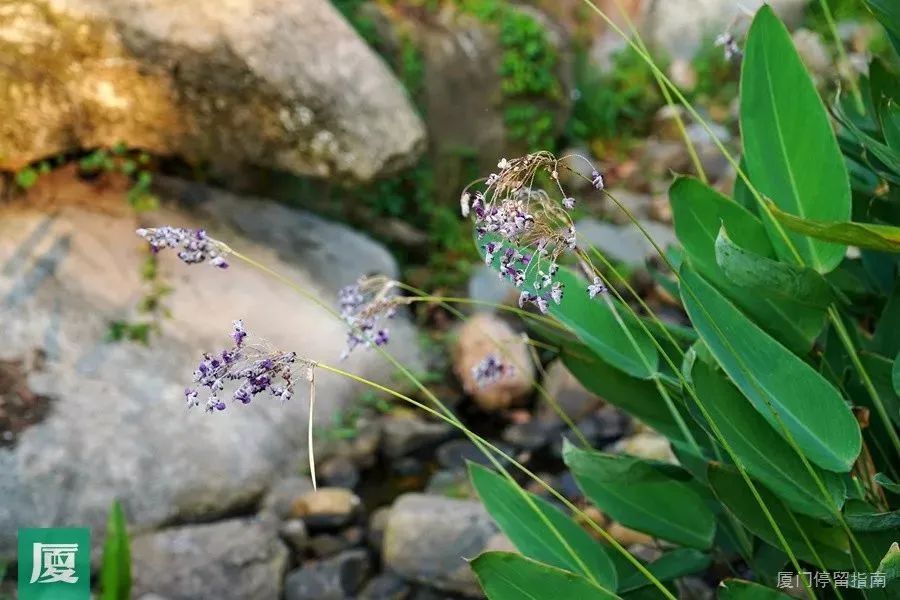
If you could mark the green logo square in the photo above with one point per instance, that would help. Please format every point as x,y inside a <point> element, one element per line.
<point>55,564</point>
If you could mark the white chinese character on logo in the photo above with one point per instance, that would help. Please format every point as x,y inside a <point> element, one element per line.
<point>785,579</point>
<point>878,580</point>
<point>54,563</point>
<point>822,579</point>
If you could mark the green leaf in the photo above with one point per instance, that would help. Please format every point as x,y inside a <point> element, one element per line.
<point>755,273</point>
<point>830,543</point>
<point>509,576</point>
<point>890,564</point>
<point>596,321</point>
<point>762,451</point>
<point>888,13</point>
<point>886,482</point>
<point>699,212</point>
<point>115,572</point>
<point>774,379</point>
<point>738,589</point>
<point>517,519</point>
<point>863,235</point>
<point>643,496</point>
<point>671,565</point>
<point>860,516</point>
<point>789,145</point>
<point>638,397</point>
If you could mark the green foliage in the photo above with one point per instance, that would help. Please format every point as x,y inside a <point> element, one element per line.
<point>792,343</point>
<point>151,308</point>
<point>115,572</point>
<point>133,164</point>
<point>508,576</point>
<point>619,103</point>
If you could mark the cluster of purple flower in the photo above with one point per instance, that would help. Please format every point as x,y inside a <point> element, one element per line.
<point>490,370</point>
<point>365,306</point>
<point>195,246</point>
<point>252,370</point>
<point>525,227</point>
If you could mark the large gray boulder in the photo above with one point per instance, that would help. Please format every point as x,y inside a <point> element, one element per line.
<point>114,422</point>
<point>285,84</point>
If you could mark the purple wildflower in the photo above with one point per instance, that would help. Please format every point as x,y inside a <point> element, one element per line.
<point>597,180</point>
<point>490,370</point>
<point>364,306</point>
<point>251,370</point>
<point>194,245</point>
<point>568,203</point>
<point>556,292</point>
<point>598,287</point>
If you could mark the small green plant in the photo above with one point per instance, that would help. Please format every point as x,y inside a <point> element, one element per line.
<point>115,571</point>
<point>151,308</point>
<point>119,159</point>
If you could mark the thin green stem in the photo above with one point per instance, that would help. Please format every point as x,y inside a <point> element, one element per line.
<point>842,56</point>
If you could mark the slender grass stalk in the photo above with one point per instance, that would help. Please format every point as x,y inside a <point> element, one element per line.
<point>444,413</point>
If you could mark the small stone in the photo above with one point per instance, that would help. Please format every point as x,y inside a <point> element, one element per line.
<point>649,445</point>
<point>327,544</point>
<point>452,483</point>
<point>637,203</point>
<point>408,433</point>
<point>326,508</point>
<point>455,453</point>
<point>644,552</point>
<point>294,533</point>
<point>485,286</point>
<point>377,523</point>
<point>626,536</point>
<point>484,335</point>
<point>574,399</point>
<point>428,539</point>
<point>334,578</point>
<point>339,471</point>
<point>386,586</point>
<point>283,494</point>
<point>530,435</point>
<point>625,243</point>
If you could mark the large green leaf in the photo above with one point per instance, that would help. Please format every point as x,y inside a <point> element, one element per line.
<point>517,519</point>
<point>638,397</point>
<point>830,543</point>
<point>758,274</point>
<point>643,496</point>
<point>890,564</point>
<point>603,323</point>
<point>860,516</point>
<point>115,572</point>
<point>791,151</point>
<point>738,589</point>
<point>773,379</point>
<point>762,452</point>
<point>671,565</point>
<point>862,235</point>
<point>699,211</point>
<point>510,576</point>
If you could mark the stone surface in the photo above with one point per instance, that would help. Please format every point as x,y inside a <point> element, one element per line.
<point>326,508</point>
<point>285,84</point>
<point>625,243</point>
<point>483,335</point>
<point>232,559</point>
<point>117,426</point>
<point>485,286</point>
<point>386,586</point>
<point>464,529</point>
<point>679,27</point>
<point>294,533</point>
<point>282,495</point>
<point>646,444</point>
<point>338,471</point>
<point>335,578</point>
<point>627,536</point>
<point>574,399</point>
<point>406,433</point>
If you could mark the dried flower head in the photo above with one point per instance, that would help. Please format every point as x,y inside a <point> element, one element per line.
<point>365,306</point>
<point>490,370</point>
<point>527,228</point>
<point>247,370</point>
<point>193,244</point>
<point>597,287</point>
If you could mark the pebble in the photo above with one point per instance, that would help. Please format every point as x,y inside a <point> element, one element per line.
<point>339,471</point>
<point>326,508</point>
<point>386,586</point>
<point>335,578</point>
